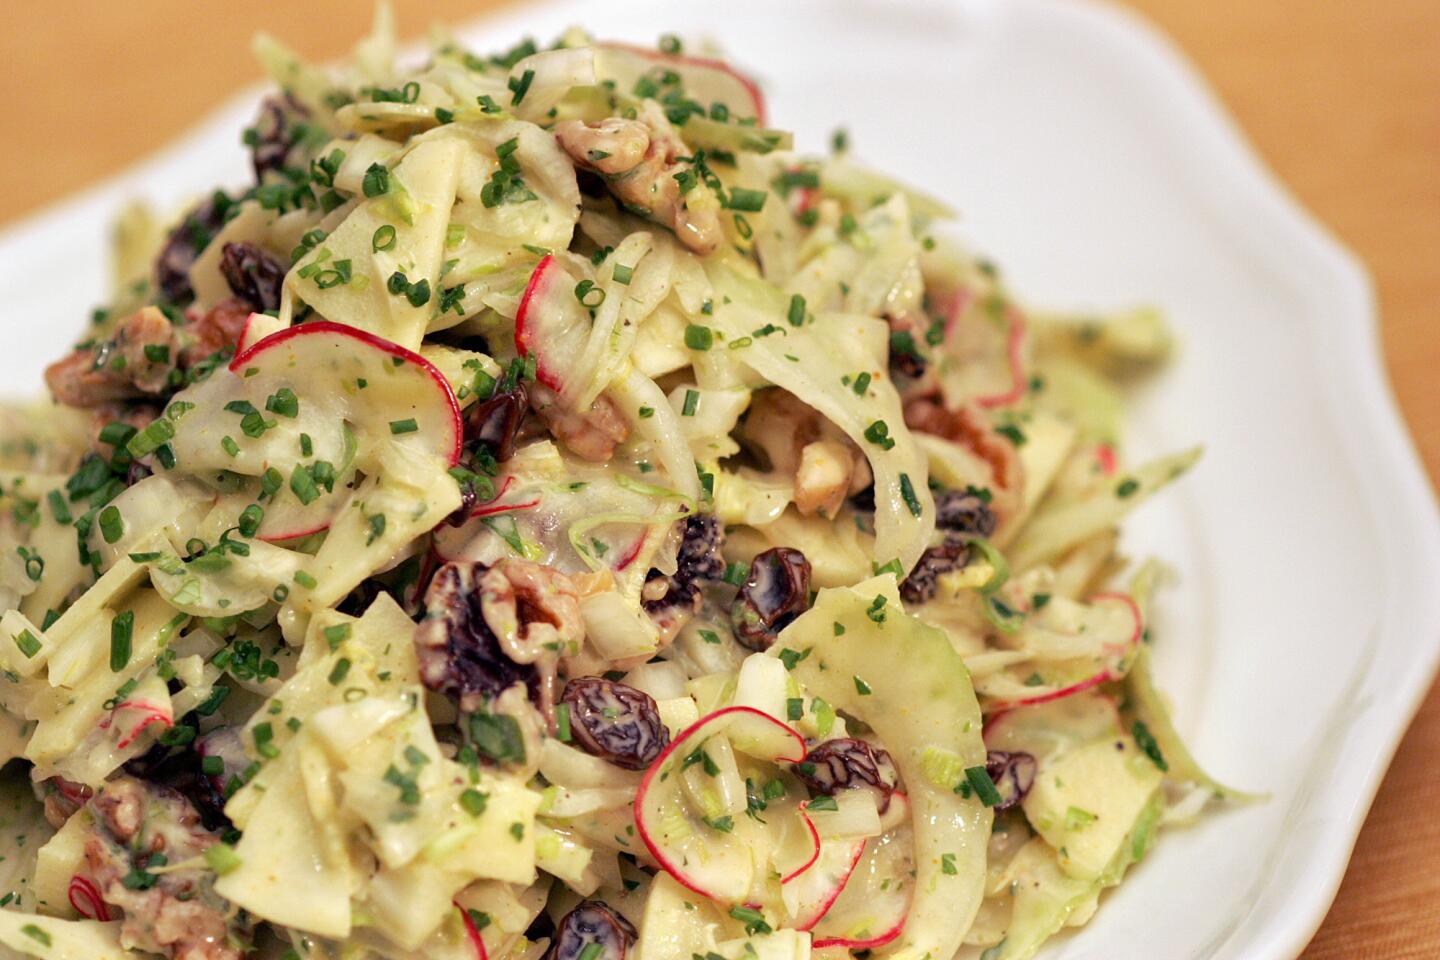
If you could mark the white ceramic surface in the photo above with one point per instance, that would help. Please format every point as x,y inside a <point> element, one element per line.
<point>1091,162</point>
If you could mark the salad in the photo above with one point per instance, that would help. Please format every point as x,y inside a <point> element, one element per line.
<point>544,515</point>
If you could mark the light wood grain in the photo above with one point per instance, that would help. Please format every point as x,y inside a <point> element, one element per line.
<point>1341,98</point>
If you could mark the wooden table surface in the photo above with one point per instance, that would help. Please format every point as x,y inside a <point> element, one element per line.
<point>1341,98</point>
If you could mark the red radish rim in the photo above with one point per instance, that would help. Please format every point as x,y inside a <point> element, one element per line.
<point>1105,456</point>
<point>245,331</point>
<point>476,941</point>
<point>634,552</point>
<point>1104,676</point>
<point>751,87</point>
<point>660,856</point>
<point>316,327</point>
<point>814,845</point>
<point>835,891</point>
<point>489,511</point>
<point>153,714</point>
<point>1129,601</point>
<point>1015,344</point>
<point>282,537</point>
<point>89,892</point>
<point>522,313</point>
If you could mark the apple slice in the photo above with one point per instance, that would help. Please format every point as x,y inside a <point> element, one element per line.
<point>706,80</point>
<point>873,901</point>
<point>711,858</point>
<point>551,323</point>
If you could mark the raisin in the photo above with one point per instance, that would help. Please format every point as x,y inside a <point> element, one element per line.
<point>965,513</point>
<point>185,243</point>
<point>459,654</point>
<point>1013,775</point>
<point>846,763</point>
<point>591,923</point>
<point>496,420</point>
<point>276,133</point>
<point>776,592</point>
<point>615,722</point>
<point>253,275</point>
<point>699,559</point>
<point>921,584</point>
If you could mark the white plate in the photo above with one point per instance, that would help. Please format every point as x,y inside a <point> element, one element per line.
<point>1088,158</point>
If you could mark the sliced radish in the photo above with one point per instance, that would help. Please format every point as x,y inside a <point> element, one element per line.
<point>1105,457</point>
<point>399,384</point>
<point>706,80</point>
<point>1014,351</point>
<point>472,933</point>
<point>86,900</point>
<point>810,892</point>
<point>1118,655</point>
<point>257,327</point>
<point>870,908</point>
<point>551,323</point>
<point>132,717</point>
<point>709,860</point>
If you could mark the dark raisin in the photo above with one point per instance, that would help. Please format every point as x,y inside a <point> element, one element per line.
<point>184,245</point>
<point>253,275</point>
<point>920,585</point>
<point>276,133</point>
<point>615,722</point>
<point>776,592</point>
<point>699,559</point>
<point>910,365</point>
<point>179,769</point>
<point>964,513</point>
<point>845,763</point>
<point>592,922</point>
<point>459,654</point>
<point>496,420</point>
<point>1013,774</point>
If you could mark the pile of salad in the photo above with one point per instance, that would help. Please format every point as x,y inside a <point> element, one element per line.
<point>545,515</point>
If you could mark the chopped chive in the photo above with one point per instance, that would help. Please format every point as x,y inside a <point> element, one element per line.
<point>121,629</point>
<point>984,787</point>
<point>228,444</point>
<point>861,384</point>
<point>28,643</point>
<point>376,182</point>
<point>796,313</point>
<point>623,274</point>
<point>907,493</point>
<point>112,526</point>
<point>339,672</point>
<point>692,400</point>
<point>698,337</point>
<point>878,433</point>
<point>408,425</point>
<point>750,201</point>
<point>383,238</point>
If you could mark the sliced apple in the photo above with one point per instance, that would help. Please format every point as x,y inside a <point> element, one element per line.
<point>551,323</point>
<point>706,80</point>
<point>710,853</point>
